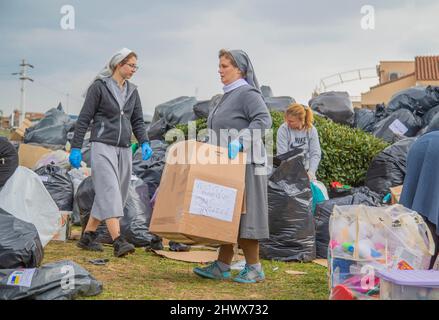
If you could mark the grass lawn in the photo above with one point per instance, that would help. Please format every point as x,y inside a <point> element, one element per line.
<point>148,276</point>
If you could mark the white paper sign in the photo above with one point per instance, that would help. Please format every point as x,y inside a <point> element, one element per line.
<point>22,278</point>
<point>213,200</point>
<point>397,127</point>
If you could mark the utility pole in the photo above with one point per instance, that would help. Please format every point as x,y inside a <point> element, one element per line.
<point>23,78</point>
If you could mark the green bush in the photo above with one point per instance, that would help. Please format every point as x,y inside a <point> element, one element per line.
<point>346,152</point>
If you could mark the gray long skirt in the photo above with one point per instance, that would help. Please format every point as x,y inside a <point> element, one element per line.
<point>254,224</point>
<point>111,174</point>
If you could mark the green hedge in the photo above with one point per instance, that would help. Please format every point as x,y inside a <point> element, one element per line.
<point>346,152</point>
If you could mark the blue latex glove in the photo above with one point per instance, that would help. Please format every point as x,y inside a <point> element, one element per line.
<point>234,147</point>
<point>75,157</point>
<point>146,151</point>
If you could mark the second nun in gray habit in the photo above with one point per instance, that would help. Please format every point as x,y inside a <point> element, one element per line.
<point>242,107</point>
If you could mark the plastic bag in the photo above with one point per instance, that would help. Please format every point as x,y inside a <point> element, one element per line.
<point>361,195</point>
<point>58,158</point>
<point>203,108</point>
<point>416,99</point>
<point>278,103</point>
<point>167,115</point>
<point>52,129</point>
<point>62,280</point>
<point>364,119</point>
<point>399,125</point>
<point>52,135</point>
<point>428,117</point>
<point>266,91</point>
<point>77,176</point>
<point>8,160</point>
<point>58,183</point>
<point>434,124</point>
<point>26,198</point>
<point>151,170</point>
<point>336,105</point>
<point>291,223</point>
<point>134,225</point>
<point>53,117</point>
<point>364,239</point>
<point>20,245</point>
<point>388,168</point>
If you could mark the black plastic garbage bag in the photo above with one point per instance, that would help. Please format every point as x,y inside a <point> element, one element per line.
<point>266,91</point>
<point>278,103</point>
<point>178,110</point>
<point>167,115</point>
<point>59,184</point>
<point>151,170</point>
<point>137,215</point>
<point>134,225</point>
<point>203,108</point>
<point>52,129</point>
<point>51,135</point>
<point>8,160</point>
<point>53,117</point>
<point>20,245</point>
<point>364,119</point>
<point>428,117</point>
<point>434,124</point>
<point>291,223</point>
<point>62,280</point>
<point>361,195</point>
<point>388,168</point>
<point>157,130</point>
<point>336,105</point>
<point>418,99</point>
<point>400,124</point>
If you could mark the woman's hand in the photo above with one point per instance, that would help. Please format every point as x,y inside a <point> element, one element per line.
<point>146,151</point>
<point>311,176</point>
<point>75,157</point>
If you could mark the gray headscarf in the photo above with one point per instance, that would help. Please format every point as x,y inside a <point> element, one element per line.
<point>108,70</point>
<point>245,65</point>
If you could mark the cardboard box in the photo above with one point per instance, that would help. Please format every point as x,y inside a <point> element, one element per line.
<point>64,224</point>
<point>29,154</point>
<point>18,134</point>
<point>396,194</point>
<point>200,199</point>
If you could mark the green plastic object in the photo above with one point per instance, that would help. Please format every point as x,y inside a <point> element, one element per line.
<point>134,147</point>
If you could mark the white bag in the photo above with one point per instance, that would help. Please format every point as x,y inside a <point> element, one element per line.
<point>25,197</point>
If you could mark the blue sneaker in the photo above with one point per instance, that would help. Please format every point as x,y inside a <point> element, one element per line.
<point>212,271</point>
<point>250,275</point>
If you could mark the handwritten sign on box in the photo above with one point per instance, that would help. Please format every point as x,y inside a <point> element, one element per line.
<point>213,200</point>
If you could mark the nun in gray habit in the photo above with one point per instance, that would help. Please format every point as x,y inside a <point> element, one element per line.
<point>421,183</point>
<point>242,108</point>
<point>112,106</point>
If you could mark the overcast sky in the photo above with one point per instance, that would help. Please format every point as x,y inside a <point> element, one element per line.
<point>292,44</point>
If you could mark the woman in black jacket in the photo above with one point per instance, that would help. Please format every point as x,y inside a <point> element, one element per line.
<point>113,103</point>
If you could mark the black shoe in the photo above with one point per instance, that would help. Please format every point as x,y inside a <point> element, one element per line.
<point>122,247</point>
<point>178,247</point>
<point>155,244</point>
<point>88,242</point>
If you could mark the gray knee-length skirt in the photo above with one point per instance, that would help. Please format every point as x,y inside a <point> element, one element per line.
<point>111,174</point>
<point>254,224</point>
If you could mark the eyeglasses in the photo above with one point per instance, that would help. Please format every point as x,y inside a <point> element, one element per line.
<point>133,66</point>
